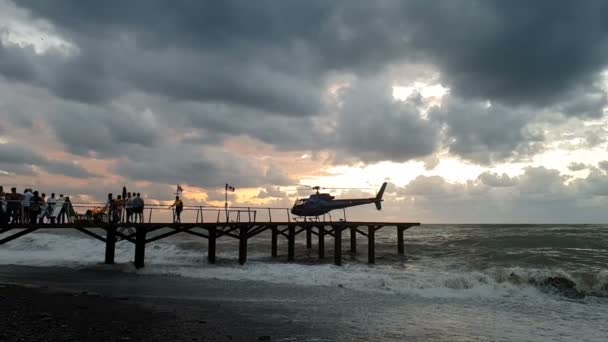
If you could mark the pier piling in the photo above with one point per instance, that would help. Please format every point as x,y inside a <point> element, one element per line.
<point>291,242</point>
<point>371,244</point>
<point>243,244</point>
<point>338,245</point>
<point>211,245</point>
<point>400,245</point>
<point>273,242</point>
<point>308,237</point>
<point>321,241</point>
<point>140,246</point>
<point>110,244</point>
<point>353,240</point>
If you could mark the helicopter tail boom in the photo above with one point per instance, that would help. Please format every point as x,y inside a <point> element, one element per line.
<point>378,201</point>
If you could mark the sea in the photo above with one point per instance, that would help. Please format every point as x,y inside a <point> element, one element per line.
<point>456,282</point>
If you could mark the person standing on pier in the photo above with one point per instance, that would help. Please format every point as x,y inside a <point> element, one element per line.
<point>44,208</point>
<point>51,207</point>
<point>129,206</point>
<point>25,204</point>
<point>34,207</point>
<point>138,208</point>
<point>3,208</point>
<point>179,207</point>
<point>13,205</point>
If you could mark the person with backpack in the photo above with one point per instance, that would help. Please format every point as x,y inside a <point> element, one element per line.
<point>179,207</point>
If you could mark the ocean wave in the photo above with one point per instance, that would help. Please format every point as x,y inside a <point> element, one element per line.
<point>46,249</point>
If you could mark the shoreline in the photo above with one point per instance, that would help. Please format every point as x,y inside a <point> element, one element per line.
<point>38,313</point>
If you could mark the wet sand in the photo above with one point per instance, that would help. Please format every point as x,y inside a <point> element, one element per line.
<point>42,314</point>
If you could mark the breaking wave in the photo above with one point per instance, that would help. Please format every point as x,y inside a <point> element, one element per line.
<point>435,281</point>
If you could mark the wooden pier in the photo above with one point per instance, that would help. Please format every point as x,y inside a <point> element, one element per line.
<point>141,234</point>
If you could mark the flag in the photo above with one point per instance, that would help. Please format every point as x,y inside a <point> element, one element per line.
<point>179,189</point>
<point>229,188</point>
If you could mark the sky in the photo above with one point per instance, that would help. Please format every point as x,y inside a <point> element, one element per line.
<point>474,111</point>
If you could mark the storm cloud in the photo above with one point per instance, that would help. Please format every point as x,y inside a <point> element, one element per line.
<point>161,92</point>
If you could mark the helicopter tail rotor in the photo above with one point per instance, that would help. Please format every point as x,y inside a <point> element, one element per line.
<point>378,201</point>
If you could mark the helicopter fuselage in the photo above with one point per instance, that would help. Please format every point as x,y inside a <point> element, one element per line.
<point>321,204</point>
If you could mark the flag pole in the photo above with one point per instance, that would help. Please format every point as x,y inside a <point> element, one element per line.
<point>226,201</point>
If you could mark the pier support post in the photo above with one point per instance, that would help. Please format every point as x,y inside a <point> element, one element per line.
<point>291,243</point>
<point>353,240</point>
<point>308,237</point>
<point>400,245</point>
<point>140,246</point>
<point>110,244</point>
<point>211,246</point>
<point>338,245</point>
<point>243,244</point>
<point>273,242</point>
<point>321,242</point>
<point>371,244</point>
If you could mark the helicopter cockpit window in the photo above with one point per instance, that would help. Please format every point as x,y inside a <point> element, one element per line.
<point>300,202</point>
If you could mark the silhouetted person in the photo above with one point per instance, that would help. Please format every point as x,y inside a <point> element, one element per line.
<point>13,204</point>
<point>129,206</point>
<point>62,214</point>
<point>44,208</point>
<point>138,208</point>
<point>111,207</point>
<point>25,204</point>
<point>51,207</point>
<point>179,207</point>
<point>68,210</point>
<point>3,208</point>
<point>118,205</point>
<point>34,207</point>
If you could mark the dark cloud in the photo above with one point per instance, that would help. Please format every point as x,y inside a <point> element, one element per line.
<point>106,131</point>
<point>195,166</point>
<point>22,160</point>
<point>11,153</point>
<point>538,195</point>
<point>577,166</point>
<point>496,180</point>
<point>272,192</point>
<point>261,55</point>
<point>373,126</point>
<point>486,133</point>
<point>512,51</point>
<point>67,169</point>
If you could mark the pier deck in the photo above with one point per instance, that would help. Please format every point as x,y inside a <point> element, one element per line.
<point>141,234</point>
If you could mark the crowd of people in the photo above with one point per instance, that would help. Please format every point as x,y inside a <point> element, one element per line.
<point>129,209</point>
<point>31,207</point>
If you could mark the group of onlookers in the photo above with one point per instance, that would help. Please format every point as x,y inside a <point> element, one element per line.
<point>129,209</point>
<point>32,207</point>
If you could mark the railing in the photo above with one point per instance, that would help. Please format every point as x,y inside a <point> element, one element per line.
<point>151,213</point>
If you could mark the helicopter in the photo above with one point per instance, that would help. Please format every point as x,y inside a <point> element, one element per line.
<point>321,204</point>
